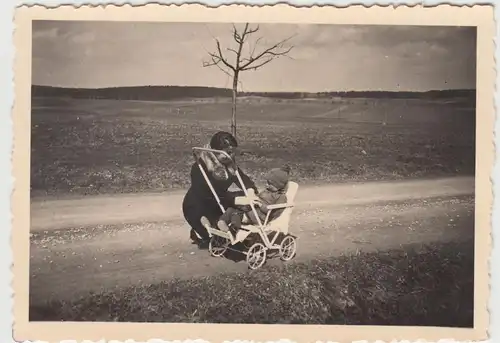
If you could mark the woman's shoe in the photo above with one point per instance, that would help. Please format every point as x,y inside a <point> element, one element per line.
<point>203,243</point>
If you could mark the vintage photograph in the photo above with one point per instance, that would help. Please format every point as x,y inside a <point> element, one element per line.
<point>253,173</point>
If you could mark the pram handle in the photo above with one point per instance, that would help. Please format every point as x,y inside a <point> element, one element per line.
<point>225,154</point>
<point>196,150</point>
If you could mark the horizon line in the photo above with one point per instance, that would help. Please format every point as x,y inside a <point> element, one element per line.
<point>225,88</point>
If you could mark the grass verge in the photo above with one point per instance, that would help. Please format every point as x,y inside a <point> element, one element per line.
<point>417,285</point>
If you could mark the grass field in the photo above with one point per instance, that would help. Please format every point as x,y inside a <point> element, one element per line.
<point>110,146</point>
<point>418,285</point>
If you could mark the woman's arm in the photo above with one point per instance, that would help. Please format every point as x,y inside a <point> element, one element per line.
<point>198,182</point>
<point>197,179</point>
<point>239,199</point>
<point>247,182</point>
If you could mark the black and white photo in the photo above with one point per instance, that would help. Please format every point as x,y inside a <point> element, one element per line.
<point>252,172</point>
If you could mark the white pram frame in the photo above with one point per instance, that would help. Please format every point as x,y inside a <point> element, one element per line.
<point>259,236</point>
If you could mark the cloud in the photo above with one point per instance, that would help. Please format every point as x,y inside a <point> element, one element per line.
<point>84,37</point>
<point>98,54</point>
<point>49,33</point>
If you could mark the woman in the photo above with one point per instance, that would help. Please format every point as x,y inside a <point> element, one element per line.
<point>199,201</point>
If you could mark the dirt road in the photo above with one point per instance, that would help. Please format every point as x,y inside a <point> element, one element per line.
<point>93,244</point>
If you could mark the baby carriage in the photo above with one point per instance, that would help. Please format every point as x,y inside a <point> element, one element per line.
<point>259,240</point>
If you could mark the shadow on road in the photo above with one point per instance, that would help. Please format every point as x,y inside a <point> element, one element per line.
<point>236,255</point>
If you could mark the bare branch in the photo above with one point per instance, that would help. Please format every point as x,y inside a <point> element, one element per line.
<point>269,54</point>
<point>224,71</point>
<point>217,58</point>
<point>215,61</point>
<point>254,61</point>
<point>257,66</point>
<point>255,47</point>
<point>244,32</point>
<point>236,36</point>
<point>241,37</point>
<point>221,56</point>
<point>252,31</point>
<point>232,50</point>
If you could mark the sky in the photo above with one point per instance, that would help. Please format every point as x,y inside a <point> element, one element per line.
<point>323,57</point>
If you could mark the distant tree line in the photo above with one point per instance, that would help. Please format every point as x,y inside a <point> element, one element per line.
<point>157,93</point>
<point>131,93</point>
<point>367,94</point>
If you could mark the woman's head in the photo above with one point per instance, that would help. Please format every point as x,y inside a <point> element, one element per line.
<point>224,141</point>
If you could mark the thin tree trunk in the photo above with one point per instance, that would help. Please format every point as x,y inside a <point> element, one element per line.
<point>233,112</point>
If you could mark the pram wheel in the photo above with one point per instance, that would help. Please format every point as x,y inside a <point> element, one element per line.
<point>218,246</point>
<point>256,256</point>
<point>288,248</point>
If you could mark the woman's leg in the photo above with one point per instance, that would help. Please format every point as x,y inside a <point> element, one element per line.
<point>193,214</point>
<point>194,236</point>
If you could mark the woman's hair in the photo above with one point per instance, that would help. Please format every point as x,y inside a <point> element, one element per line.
<point>223,140</point>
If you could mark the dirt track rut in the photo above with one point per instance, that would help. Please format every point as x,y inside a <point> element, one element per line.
<point>53,214</point>
<point>99,243</point>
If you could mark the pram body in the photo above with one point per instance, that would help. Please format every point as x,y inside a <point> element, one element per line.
<point>259,239</point>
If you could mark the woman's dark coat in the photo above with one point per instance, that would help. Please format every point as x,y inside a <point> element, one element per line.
<point>199,200</point>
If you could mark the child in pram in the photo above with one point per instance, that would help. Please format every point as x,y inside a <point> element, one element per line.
<point>273,194</point>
